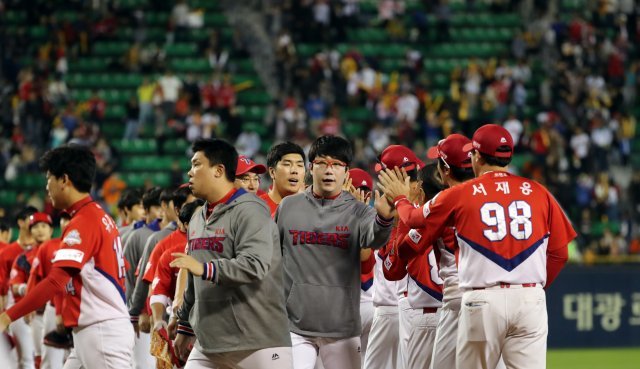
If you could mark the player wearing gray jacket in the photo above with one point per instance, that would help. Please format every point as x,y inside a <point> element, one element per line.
<point>234,301</point>
<point>321,232</point>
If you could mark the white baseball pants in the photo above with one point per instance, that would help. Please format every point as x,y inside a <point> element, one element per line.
<point>269,358</point>
<point>422,336</point>
<point>142,357</point>
<point>366,319</point>
<point>336,353</point>
<point>104,345</point>
<point>23,334</point>
<point>514,319</point>
<point>52,358</point>
<point>404,325</point>
<point>382,349</point>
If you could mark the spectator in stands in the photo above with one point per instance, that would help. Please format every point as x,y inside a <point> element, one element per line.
<point>132,129</point>
<point>170,86</point>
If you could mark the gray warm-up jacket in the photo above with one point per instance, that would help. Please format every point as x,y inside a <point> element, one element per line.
<point>141,289</point>
<point>238,304</point>
<point>321,241</point>
<point>133,248</point>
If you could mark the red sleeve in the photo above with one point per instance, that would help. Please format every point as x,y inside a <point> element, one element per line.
<point>431,219</point>
<point>394,267</point>
<point>163,277</point>
<point>37,272</point>
<point>18,275</point>
<point>43,292</point>
<point>150,268</point>
<point>5,268</point>
<point>77,246</point>
<point>58,300</point>
<point>367,265</point>
<point>560,234</point>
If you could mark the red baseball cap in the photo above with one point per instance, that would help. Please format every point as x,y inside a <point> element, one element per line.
<point>451,151</point>
<point>360,178</point>
<point>39,218</point>
<point>488,138</point>
<point>246,165</point>
<point>399,156</point>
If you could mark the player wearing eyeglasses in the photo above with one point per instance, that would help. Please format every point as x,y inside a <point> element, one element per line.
<point>248,174</point>
<point>322,231</point>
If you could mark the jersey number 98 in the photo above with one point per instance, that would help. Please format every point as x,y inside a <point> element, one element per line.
<point>494,216</point>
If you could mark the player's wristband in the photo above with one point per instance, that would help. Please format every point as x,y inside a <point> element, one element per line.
<point>398,199</point>
<point>134,318</point>
<point>209,273</point>
<point>185,328</point>
<point>384,222</point>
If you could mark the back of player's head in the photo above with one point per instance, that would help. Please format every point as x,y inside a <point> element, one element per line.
<point>218,152</point>
<point>187,210</point>
<point>431,181</point>
<point>151,198</point>
<point>25,213</point>
<point>494,144</point>
<point>333,146</point>
<point>180,196</point>
<point>276,152</point>
<point>166,195</point>
<point>77,162</point>
<point>130,197</point>
<point>4,225</point>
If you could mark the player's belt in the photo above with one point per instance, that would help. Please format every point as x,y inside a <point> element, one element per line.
<point>507,285</point>
<point>429,310</point>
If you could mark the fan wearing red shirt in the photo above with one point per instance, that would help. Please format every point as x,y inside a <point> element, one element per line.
<point>285,162</point>
<point>512,237</point>
<point>89,264</point>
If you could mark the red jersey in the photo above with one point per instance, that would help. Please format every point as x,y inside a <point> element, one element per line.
<point>509,229</point>
<point>272,205</point>
<point>176,237</point>
<point>91,244</point>
<point>21,269</point>
<point>7,256</point>
<point>43,261</point>
<point>164,281</point>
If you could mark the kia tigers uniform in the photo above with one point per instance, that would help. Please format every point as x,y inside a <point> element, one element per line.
<point>270,203</point>
<point>512,236</point>
<point>383,351</point>
<point>424,296</point>
<point>133,250</point>
<point>20,271</point>
<point>19,328</point>
<point>366,302</point>
<point>237,308</point>
<point>95,301</point>
<point>321,240</point>
<point>52,357</point>
<point>163,285</point>
<point>137,303</point>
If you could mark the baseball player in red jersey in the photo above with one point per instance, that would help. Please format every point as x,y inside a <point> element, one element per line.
<point>161,276</point>
<point>5,234</point>
<point>286,169</point>
<point>52,357</point>
<point>89,264</point>
<point>360,184</point>
<point>248,174</point>
<point>512,237</point>
<point>41,231</point>
<point>424,286</point>
<point>20,330</point>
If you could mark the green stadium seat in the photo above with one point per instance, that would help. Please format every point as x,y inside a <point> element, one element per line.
<point>15,17</point>
<point>176,147</point>
<point>38,33</point>
<point>7,197</point>
<point>195,65</point>
<point>139,146</point>
<point>157,19</point>
<point>256,127</point>
<point>252,113</point>
<point>392,65</point>
<point>113,131</point>
<point>244,65</point>
<point>251,97</point>
<point>115,112</point>
<point>215,19</point>
<point>356,114</point>
<point>204,4</point>
<point>181,49</point>
<point>354,130</point>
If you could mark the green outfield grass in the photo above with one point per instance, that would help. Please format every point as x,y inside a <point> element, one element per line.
<point>619,358</point>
